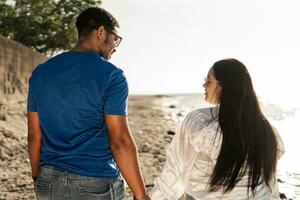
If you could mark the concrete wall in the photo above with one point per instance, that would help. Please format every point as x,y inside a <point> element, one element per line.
<point>16,64</point>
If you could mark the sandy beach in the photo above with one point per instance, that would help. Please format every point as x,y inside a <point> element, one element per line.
<point>153,121</point>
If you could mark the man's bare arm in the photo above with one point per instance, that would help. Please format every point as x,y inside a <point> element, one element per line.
<point>125,153</point>
<point>34,142</point>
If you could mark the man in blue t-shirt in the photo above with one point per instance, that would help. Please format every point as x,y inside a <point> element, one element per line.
<point>78,136</point>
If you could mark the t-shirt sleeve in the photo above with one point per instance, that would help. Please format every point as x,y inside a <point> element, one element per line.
<point>116,94</point>
<point>31,101</point>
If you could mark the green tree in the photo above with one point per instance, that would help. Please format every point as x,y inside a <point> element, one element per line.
<point>48,26</point>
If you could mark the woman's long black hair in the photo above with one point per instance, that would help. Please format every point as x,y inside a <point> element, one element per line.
<point>249,144</point>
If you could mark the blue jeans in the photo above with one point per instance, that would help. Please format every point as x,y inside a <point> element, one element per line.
<point>60,185</point>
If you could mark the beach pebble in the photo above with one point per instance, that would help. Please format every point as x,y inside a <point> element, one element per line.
<point>144,148</point>
<point>280,181</point>
<point>170,132</point>
<point>155,152</point>
<point>168,138</point>
<point>21,185</point>
<point>162,159</point>
<point>282,196</point>
<point>3,118</point>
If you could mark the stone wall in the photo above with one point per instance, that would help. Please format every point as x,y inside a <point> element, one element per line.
<point>16,64</point>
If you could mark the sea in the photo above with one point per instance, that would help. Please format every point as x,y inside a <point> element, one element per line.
<point>286,120</point>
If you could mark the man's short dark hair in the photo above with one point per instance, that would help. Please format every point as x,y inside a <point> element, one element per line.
<point>92,18</point>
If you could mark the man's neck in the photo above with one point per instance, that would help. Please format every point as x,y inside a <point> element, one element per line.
<point>84,46</point>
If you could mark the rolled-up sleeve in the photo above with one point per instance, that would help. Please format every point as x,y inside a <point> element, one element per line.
<point>180,156</point>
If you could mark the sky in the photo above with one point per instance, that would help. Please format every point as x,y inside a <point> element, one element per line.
<point>169,45</point>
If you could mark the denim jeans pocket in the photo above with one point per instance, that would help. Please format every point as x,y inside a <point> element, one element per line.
<point>118,190</point>
<point>43,191</point>
<point>95,192</point>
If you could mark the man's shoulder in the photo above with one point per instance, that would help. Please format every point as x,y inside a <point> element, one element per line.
<point>48,62</point>
<point>109,66</point>
<point>53,59</point>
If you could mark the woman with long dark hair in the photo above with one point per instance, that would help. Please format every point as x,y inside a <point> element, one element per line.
<point>228,151</point>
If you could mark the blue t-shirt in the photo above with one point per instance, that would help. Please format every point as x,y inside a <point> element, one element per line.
<point>72,92</point>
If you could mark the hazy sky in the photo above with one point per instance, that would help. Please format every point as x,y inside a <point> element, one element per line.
<point>169,45</point>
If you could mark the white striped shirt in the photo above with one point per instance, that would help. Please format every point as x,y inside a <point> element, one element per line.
<point>191,158</point>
